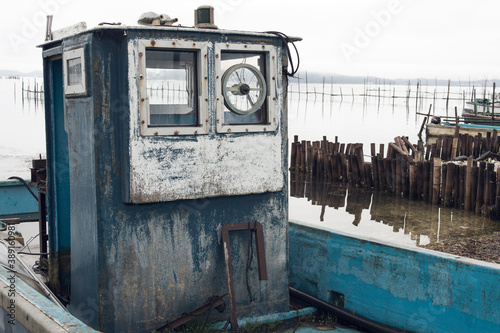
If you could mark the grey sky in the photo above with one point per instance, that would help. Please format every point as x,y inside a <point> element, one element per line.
<point>386,38</point>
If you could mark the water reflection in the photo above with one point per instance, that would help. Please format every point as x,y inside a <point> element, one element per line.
<point>379,215</point>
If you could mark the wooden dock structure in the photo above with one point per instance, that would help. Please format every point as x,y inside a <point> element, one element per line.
<point>457,171</point>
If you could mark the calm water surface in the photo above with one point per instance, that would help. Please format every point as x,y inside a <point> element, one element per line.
<point>352,118</point>
<point>374,119</point>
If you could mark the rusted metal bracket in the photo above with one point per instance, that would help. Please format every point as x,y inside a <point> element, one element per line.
<point>39,179</point>
<point>216,302</point>
<point>261,261</point>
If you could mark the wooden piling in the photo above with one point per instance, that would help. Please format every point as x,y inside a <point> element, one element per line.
<point>436,180</point>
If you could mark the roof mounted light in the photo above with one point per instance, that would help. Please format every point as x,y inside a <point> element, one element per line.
<point>204,17</point>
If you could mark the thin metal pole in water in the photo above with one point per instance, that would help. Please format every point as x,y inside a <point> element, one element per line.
<point>493,106</point>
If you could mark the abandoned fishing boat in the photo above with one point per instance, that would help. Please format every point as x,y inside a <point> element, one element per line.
<point>171,174</point>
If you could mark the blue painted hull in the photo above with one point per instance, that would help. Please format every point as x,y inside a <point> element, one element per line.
<point>15,199</point>
<point>413,289</point>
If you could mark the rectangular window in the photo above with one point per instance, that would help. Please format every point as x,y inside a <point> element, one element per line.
<point>74,72</point>
<point>172,94</point>
<point>171,86</point>
<point>246,87</point>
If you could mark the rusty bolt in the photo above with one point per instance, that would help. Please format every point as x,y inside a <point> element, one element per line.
<point>142,99</point>
<point>272,57</point>
<point>217,55</point>
<point>274,78</point>
<point>156,134</point>
<point>263,47</point>
<point>143,122</point>
<point>246,129</point>
<point>176,132</point>
<point>153,43</point>
<point>206,99</point>
<point>195,132</point>
<point>140,54</point>
<point>206,77</point>
<point>217,98</point>
<point>265,129</point>
<point>229,130</point>
<point>194,44</point>
<point>274,98</point>
<point>245,46</point>
<point>141,76</point>
<point>173,43</point>
<point>274,120</point>
<point>206,120</point>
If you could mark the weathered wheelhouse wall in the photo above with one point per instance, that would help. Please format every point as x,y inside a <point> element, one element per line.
<point>140,261</point>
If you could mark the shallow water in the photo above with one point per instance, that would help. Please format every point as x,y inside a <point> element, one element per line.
<point>380,215</point>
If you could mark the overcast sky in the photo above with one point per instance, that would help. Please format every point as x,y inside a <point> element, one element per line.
<point>387,38</point>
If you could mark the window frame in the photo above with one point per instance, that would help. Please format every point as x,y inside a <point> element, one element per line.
<point>74,89</point>
<point>201,78</point>
<point>270,78</point>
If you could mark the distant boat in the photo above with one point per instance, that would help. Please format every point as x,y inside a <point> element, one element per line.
<point>481,112</point>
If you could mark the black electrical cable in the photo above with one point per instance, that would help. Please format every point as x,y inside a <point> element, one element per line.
<point>287,41</point>
<point>25,184</point>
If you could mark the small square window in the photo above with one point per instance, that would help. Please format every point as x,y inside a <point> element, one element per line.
<point>74,72</point>
<point>171,92</point>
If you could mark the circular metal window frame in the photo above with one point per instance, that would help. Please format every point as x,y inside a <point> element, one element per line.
<point>243,89</point>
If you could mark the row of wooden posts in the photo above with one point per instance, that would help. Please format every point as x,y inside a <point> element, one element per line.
<point>411,171</point>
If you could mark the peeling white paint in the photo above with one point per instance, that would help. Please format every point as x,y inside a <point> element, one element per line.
<point>173,168</point>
